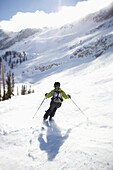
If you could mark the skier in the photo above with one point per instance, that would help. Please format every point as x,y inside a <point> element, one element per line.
<point>57,98</point>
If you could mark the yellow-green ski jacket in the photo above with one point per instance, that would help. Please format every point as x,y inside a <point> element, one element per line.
<point>51,93</point>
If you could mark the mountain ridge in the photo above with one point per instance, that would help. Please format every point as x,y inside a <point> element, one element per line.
<point>9,38</point>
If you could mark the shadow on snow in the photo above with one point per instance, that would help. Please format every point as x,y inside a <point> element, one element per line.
<point>54,140</point>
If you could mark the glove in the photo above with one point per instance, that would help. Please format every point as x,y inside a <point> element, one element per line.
<point>46,94</point>
<point>69,96</point>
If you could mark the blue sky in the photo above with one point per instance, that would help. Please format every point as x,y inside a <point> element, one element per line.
<point>16,15</point>
<point>8,8</point>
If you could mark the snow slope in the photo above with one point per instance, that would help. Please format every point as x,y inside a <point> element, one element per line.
<point>71,142</point>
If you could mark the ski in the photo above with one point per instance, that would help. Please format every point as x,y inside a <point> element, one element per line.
<point>47,123</point>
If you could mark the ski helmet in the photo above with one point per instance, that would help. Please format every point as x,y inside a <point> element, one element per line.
<point>56,84</point>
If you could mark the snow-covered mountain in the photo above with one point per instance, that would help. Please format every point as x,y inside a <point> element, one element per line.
<point>50,47</point>
<point>10,38</point>
<point>7,39</point>
<point>80,56</point>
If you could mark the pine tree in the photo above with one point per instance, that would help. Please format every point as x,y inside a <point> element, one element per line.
<point>29,91</point>
<point>0,60</point>
<point>3,80</point>
<point>24,53</point>
<point>0,84</point>
<point>12,65</point>
<point>9,89</point>
<point>10,60</point>
<point>17,61</point>
<point>13,82</point>
<point>20,60</point>
<point>17,92</point>
<point>23,90</point>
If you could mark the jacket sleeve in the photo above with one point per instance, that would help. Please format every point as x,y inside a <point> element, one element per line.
<point>65,95</point>
<point>50,94</point>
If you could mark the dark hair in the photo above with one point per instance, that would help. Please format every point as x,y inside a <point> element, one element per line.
<point>56,84</point>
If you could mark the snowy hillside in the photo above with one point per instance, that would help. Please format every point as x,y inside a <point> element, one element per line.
<point>80,57</point>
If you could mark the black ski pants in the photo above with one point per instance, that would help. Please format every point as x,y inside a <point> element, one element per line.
<point>52,109</point>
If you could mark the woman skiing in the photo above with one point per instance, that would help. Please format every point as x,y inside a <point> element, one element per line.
<point>57,98</point>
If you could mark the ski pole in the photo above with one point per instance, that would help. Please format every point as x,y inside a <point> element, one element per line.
<point>39,107</point>
<point>79,109</point>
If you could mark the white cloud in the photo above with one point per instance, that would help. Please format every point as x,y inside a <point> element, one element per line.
<point>41,19</point>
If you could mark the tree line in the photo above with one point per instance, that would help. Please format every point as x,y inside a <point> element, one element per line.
<point>6,84</point>
<point>13,58</point>
<point>7,79</point>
